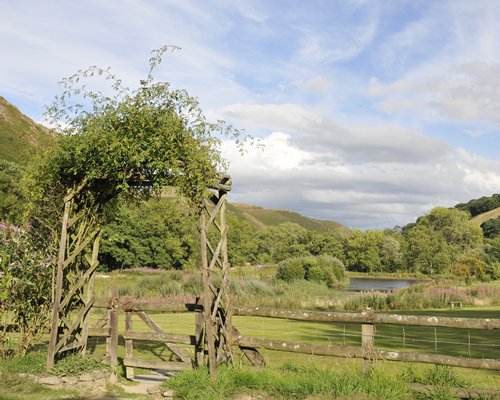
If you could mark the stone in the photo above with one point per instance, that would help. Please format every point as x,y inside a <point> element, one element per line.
<point>50,381</point>
<point>86,377</point>
<point>169,394</point>
<point>69,380</point>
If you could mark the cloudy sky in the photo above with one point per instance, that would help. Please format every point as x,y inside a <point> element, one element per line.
<point>370,112</point>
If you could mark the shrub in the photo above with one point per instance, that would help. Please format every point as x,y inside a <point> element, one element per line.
<point>25,287</point>
<point>322,268</point>
<point>290,269</point>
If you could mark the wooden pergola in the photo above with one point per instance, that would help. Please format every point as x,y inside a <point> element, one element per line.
<point>78,260</point>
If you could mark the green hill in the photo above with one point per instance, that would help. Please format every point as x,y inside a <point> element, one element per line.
<point>19,135</point>
<point>492,214</point>
<point>485,212</point>
<point>262,217</point>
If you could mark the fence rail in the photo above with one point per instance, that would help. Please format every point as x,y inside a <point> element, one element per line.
<point>367,351</point>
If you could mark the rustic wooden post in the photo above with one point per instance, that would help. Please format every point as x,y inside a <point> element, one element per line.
<point>199,348</point>
<point>113,342</point>
<point>216,300</point>
<point>129,344</point>
<point>93,262</point>
<point>74,282</point>
<point>367,343</point>
<point>207,301</point>
<point>54,329</point>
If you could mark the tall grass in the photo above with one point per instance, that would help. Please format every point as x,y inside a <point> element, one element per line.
<point>257,287</point>
<point>424,296</point>
<point>290,381</point>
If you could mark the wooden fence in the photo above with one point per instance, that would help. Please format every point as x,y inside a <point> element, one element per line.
<point>108,327</point>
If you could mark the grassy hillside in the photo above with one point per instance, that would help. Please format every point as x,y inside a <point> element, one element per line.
<point>262,217</point>
<point>493,214</point>
<point>19,135</point>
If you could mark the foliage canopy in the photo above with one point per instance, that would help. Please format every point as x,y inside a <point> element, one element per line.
<point>132,142</point>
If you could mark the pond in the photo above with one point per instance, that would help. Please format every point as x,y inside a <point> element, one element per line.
<point>382,284</point>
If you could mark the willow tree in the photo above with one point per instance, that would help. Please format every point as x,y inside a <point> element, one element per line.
<point>132,143</point>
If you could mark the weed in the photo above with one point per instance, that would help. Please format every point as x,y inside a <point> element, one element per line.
<point>74,364</point>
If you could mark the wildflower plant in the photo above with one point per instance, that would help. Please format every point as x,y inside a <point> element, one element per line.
<point>25,288</point>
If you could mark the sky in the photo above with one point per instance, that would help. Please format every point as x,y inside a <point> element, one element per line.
<point>370,113</point>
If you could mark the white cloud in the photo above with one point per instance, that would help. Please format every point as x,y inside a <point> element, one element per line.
<point>325,182</point>
<point>323,136</point>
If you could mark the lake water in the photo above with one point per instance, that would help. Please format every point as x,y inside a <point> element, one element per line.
<point>382,284</point>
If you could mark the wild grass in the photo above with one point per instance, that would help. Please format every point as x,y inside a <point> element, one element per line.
<point>290,381</point>
<point>296,381</point>
<point>251,286</point>
<point>425,296</point>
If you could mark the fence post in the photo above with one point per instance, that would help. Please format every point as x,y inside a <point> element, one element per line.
<point>129,345</point>
<point>113,341</point>
<point>367,331</point>
<point>367,343</point>
<point>200,345</point>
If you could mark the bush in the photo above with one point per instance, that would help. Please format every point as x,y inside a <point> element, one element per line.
<point>290,269</point>
<point>25,287</point>
<point>322,268</point>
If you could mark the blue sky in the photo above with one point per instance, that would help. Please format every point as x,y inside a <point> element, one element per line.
<point>370,112</point>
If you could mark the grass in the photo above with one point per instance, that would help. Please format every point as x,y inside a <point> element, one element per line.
<point>291,380</point>
<point>492,214</point>
<point>388,337</point>
<point>19,134</point>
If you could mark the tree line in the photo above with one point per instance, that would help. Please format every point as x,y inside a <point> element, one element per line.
<point>162,234</point>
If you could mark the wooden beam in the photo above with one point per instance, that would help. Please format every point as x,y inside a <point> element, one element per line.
<point>368,354</point>
<point>371,318</point>
<point>161,337</point>
<point>99,332</point>
<point>154,364</point>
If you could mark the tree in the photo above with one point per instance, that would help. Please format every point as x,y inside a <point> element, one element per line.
<point>242,244</point>
<point>469,266</point>
<point>427,252</point>
<point>363,251</point>
<point>156,234</point>
<point>491,228</point>
<point>440,238</point>
<point>328,243</point>
<point>391,255</point>
<point>279,242</point>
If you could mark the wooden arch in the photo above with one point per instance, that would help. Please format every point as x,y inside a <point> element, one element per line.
<point>78,259</point>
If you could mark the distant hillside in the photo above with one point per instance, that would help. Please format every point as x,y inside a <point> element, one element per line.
<point>19,134</point>
<point>262,217</point>
<point>481,205</point>
<point>481,218</point>
<point>485,212</point>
